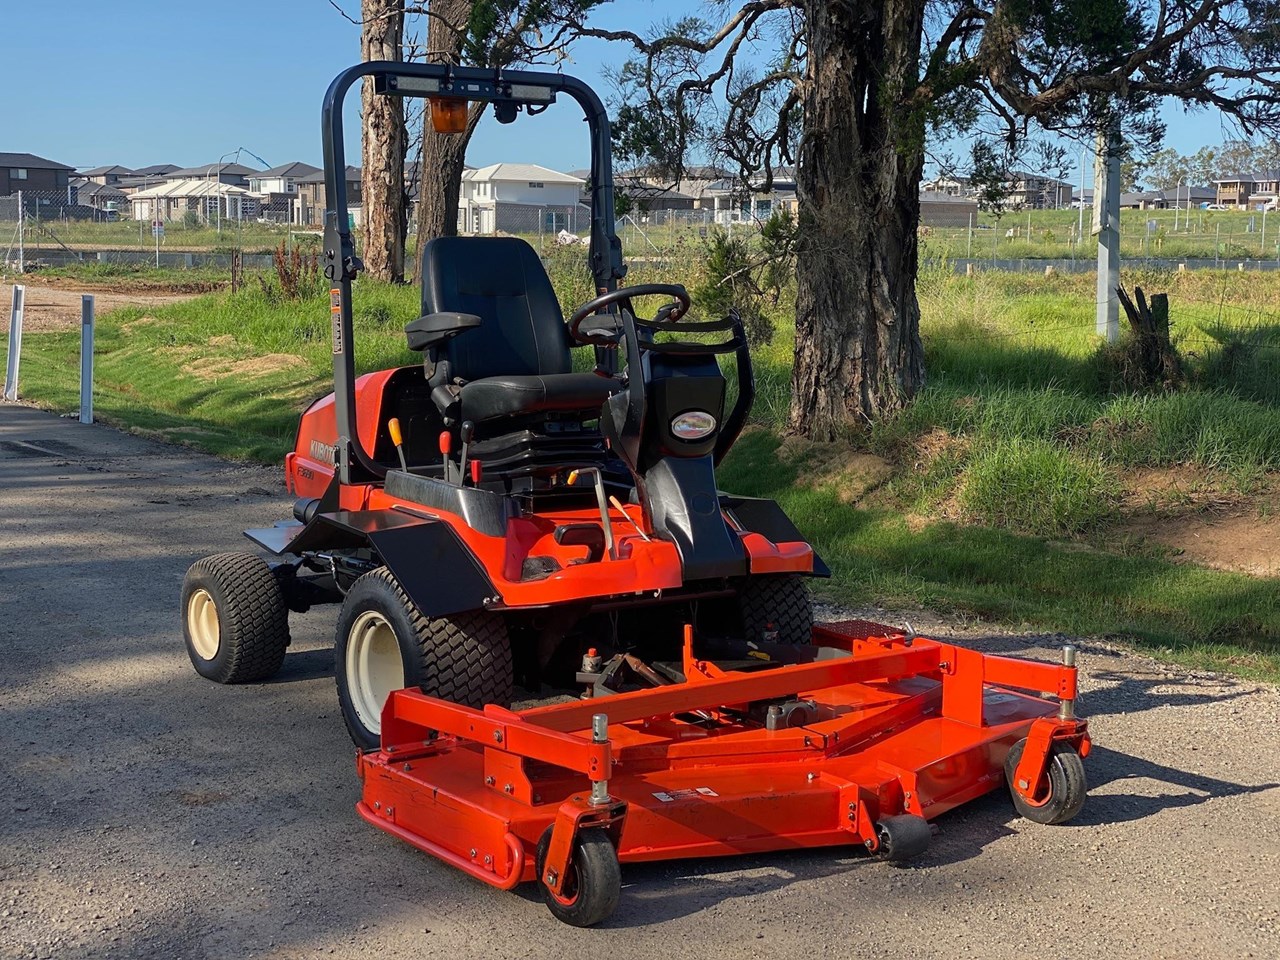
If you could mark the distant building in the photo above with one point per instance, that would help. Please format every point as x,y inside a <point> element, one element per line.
<point>1248,190</point>
<point>941,209</point>
<point>1035,191</point>
<point>519,198</point>
<point>102,197</point>
<point>209,200</point>
<point>310,202</point>
<point>281,179</point>
<point>108,175</point>
<point>27,172</point>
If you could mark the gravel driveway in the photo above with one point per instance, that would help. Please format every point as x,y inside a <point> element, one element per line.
<point>145,812</point>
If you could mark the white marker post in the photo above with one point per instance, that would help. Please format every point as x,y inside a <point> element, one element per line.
<point>15,343</point>
<point>86,358</point>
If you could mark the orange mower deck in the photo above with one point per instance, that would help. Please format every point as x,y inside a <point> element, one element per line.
<point>863,746</point>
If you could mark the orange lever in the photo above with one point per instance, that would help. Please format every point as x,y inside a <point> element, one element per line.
<point>393,428</point>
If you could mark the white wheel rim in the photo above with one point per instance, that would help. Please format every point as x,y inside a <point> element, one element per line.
<point>202,623</point>
<point>374,667</point>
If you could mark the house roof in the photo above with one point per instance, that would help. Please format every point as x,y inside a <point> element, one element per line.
<point>104,171</point>
<point>30,160</point>
<point>1250,177</point>
<point>155,170</point>
<point>516,172</point>
<point>213,169</point>
<point>295,170</point>
<point>87,188</point>
<point>191,187</point>
<point>353,175</point>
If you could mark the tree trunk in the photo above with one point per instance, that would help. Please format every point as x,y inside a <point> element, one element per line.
<point>440,170</point>
<point>382,146</point>
<point>858,352</point>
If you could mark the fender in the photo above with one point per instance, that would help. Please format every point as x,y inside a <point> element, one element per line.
<point>766,518</point>
<point>426,557</point>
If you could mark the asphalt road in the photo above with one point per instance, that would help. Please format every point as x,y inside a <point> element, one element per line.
<point>145,812</point>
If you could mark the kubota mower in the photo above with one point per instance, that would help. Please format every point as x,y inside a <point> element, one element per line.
<point>491,515</point>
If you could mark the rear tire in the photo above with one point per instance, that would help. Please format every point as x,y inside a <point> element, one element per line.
<point>384,643</point>
<point>234,618</point>
<point>775,608</point>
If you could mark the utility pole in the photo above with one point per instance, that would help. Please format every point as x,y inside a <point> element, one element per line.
<point>1106,225</point>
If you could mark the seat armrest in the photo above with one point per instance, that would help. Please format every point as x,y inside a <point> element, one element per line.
<point>436,328</point>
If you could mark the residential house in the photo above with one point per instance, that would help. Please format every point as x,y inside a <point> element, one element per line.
<point>208,200</point>
<point>103,198</point>
<point>29,173</point>
<point>1248,190</point>
<point>281,179</point>
<point>732,200</point>
<point>146,177</point>
<point>276,188</point>
<point>1182,198</point>
<point>310,202</point>
<point>520,198</point>
<point>1035,191</point>
<point>107,175</point>
<point>949,186</point>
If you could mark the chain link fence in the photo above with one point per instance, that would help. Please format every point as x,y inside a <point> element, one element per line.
<point>181,224</point>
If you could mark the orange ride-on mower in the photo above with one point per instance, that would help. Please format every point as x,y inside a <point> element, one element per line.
<point>487,515</point>
<point>491,515</point>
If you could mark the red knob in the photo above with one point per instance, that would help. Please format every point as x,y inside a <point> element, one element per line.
<point>477,471</point>
<point>446,442</point>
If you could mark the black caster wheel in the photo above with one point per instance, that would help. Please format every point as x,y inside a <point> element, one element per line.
<point>593,886</point>
<point>1062,788</point>
<point>903,837</point>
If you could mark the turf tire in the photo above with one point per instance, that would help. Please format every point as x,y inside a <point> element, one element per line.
<point>465,658</point>
<point>775,607</point>
<point>249,631</point>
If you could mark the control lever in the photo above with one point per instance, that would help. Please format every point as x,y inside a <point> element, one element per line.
<point>602,500</point>
<point>393,428</point>
<point>466,431</point>
<point>446,447</point>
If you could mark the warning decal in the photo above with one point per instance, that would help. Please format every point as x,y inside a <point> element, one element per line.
<point>671,796</point>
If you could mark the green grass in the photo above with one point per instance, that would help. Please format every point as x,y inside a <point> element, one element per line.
<point>1015,438</point>
<point>1199,617</point>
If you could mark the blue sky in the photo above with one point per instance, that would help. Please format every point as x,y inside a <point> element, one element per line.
<point>143,81</point>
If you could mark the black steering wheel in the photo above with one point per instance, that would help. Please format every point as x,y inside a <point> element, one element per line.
<point>668,313</point>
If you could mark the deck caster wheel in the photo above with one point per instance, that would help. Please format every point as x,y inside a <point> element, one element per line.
<point>384,643</point>
<point>592,889</point>
<point>1061,791</point>
<point>234,618</point>
<point>903,837</point>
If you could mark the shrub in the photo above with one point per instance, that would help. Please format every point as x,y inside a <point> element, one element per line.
<point>1036,487</point>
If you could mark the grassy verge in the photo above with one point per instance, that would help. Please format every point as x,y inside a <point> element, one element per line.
<point>991,494</point>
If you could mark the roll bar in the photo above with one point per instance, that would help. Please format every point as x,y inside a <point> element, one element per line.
<point>510,91</point>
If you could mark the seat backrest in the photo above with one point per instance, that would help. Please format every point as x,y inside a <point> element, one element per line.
<point>502,281</point>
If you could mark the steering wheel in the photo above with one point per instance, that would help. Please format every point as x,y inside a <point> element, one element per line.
<point>668,313</point>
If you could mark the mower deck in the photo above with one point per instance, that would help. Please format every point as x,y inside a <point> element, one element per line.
<point>860,748</point>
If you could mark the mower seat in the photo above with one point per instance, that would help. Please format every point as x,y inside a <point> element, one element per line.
<point>495,397</point>
<point>516,362</point>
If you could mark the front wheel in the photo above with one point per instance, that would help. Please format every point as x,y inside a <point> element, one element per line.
<point>1059,795</point>
<point>234,618</point>
<point>384,643</point>
<point>593,886</point>
<point>775,608</point>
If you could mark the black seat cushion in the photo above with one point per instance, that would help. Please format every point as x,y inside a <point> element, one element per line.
<point>508,396</point>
